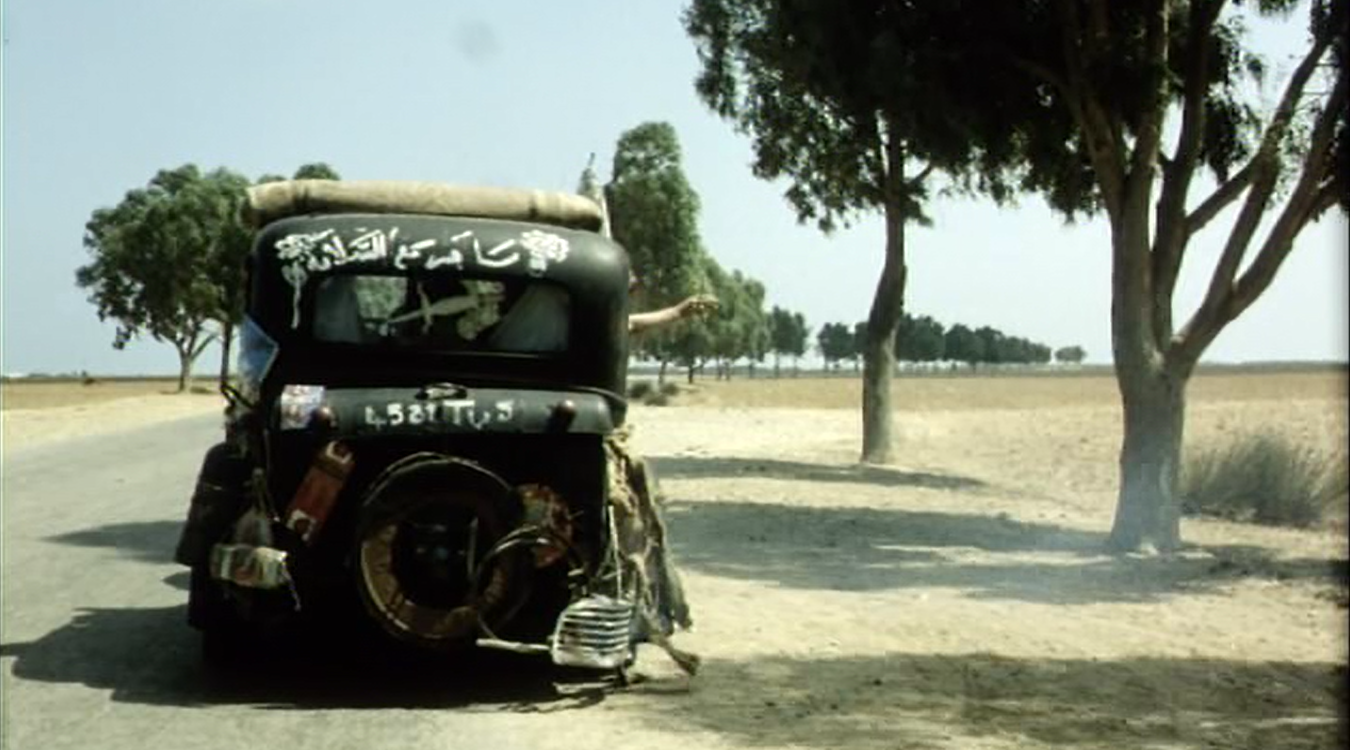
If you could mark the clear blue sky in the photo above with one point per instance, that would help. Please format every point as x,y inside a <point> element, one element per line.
<point>99,95</point>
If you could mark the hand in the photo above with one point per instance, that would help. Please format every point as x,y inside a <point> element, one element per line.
<point>699,304</point>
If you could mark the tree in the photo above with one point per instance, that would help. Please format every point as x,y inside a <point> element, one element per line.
<point>993,345</point>
<point>155,256</point>
<point>316,171</point>
<point>919,339</point>
<point>835,341</point>
<point>654,215</point>
<point>962,345</point>
<point>1135,101</point>
<point>858,343</point>
<point>228,257</point>
<point>829,92</point>
<point>755,323</point>
<point>800,333</point>
<point>782,336</point>
<point>1073,355</point>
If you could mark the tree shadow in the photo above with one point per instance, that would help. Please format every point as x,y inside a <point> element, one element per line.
<point>995,557</point>
<point>960,700</point>
<point>152,656</point>
<point>689,467</point>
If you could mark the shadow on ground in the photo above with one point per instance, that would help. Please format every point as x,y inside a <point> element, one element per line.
<point>146,541</point>
<point>961,700</point>
<point>847,548</point>
<point>151,656</point>
<point>867,549</point>
<point>691,467</point>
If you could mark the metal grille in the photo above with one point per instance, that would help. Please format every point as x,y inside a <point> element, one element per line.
<point>594,632</point>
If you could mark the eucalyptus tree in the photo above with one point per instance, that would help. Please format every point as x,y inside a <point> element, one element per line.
<point>156,257</point>
<point>654,215</point>
<point>1135,102</point>
<point>852,105</point>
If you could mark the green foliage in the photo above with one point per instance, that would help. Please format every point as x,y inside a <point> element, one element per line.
<point>824,87</point>
<point>1070,354</point>
<point>158,259</point>
<point>835,341</point>
<point>962,345</point>
<point>787,334</point>
<point>654,215</point>
<point>920,339</point>
<point>740,328</point>
<point>316,171</point>
<point>1263,478</point>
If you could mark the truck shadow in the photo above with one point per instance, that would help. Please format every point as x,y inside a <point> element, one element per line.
<point>151,656</point>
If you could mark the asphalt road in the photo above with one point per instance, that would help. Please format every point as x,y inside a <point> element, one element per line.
<point>96,652</point>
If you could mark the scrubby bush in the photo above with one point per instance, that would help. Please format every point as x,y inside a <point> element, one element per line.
<point>639,390</point>
<point>1263,478</point>
<point>656,398</point>
<point>669,389</point>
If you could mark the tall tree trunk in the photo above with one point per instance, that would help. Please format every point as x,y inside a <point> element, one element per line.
<point>226,343</point>
<point>689,372</point>
<point>776,368</point>
<point>882,322</point>
<point>661,373</point>
<point>1152,388</point>
<point>1148,509</point>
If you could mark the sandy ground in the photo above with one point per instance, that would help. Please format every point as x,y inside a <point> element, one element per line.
<point>959,599</point>
<point>43,421</point>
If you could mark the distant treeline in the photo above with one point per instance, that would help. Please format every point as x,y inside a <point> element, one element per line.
<point>923,339</point>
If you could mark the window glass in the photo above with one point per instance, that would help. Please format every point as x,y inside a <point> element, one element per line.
<point>432,312</point>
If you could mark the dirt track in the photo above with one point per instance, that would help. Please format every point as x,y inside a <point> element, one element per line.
<point>959,598</point>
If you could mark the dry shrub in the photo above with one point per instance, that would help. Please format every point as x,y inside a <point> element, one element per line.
<point>640,389</point>
<point>656,398</point>
<point>1263,478</point>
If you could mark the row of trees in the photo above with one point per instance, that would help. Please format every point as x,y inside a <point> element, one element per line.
<point>923,339</point>
<point>168,260</point>
<point>1102,108</point>
<point>653,212</point>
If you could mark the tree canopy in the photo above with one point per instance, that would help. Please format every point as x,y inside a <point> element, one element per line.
<point>654,215</point>
<point>855,105</point>
<point>168,260</point>
<point>158,256</point>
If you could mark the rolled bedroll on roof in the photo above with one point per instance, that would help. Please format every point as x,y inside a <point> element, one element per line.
<point>278,200</point>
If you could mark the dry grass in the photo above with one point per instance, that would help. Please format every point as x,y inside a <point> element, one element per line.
<point>978,393</point>
<point>47,394</point>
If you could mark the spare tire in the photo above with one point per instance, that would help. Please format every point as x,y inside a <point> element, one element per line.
<point>425,526</point>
